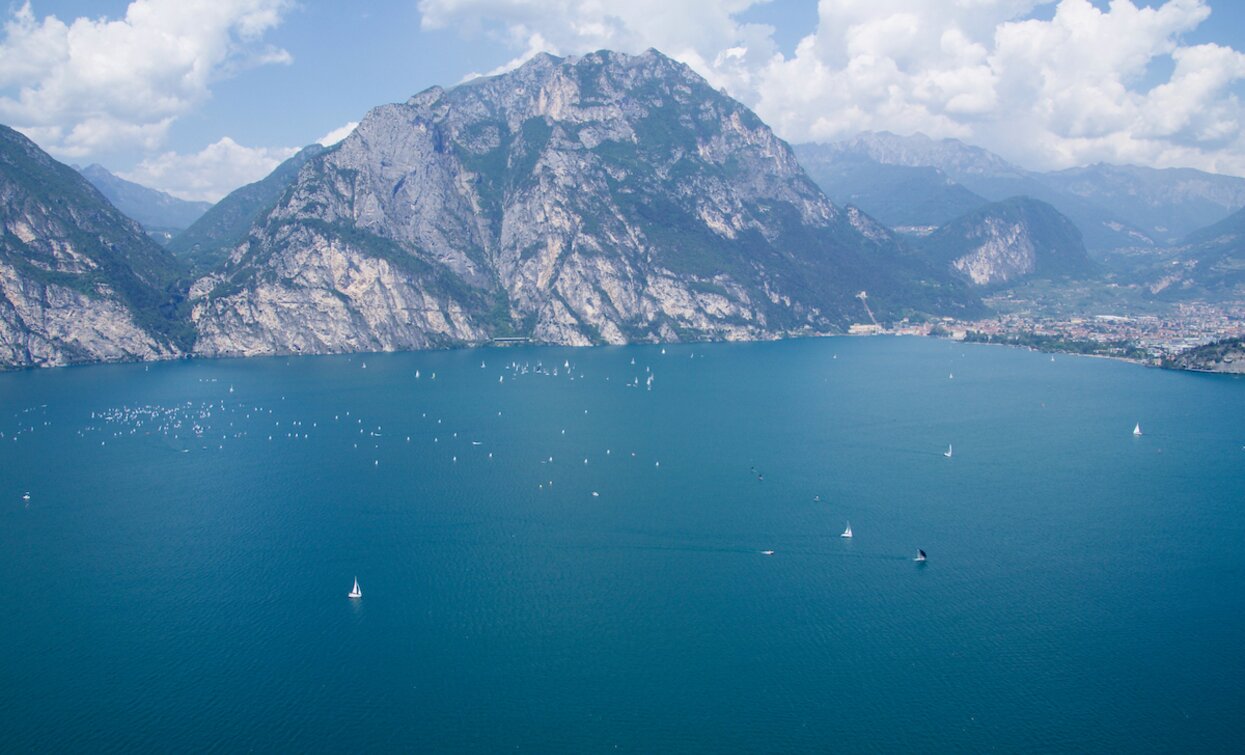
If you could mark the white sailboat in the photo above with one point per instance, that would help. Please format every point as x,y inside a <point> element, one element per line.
<point>356,592</point>
<point>947,453</point>
<point>1137,429</point>
<point>920,556</point>
<point>847,532</point>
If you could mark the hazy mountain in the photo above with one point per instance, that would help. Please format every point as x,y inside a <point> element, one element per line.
<point>1165,204</point>
<point>1003,242</point>
<point>207,243</point>
<point>896,195</point>
<point>163,215</point>
<point>988,175</point>
<point>1208,262</point>
<point>603,198</point>
<point>79,281</point>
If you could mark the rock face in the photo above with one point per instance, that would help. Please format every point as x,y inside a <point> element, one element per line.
<point>79,281</point>
<point>606,198</point>
<point>207,243</point>
<point>162,215</point>
<point>1006,241</point>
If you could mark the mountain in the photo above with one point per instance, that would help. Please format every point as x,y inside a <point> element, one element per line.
<point>1006,241</point>
<point>1208,262</point>
<point>1221,356</point>
<point>990,176</point>
<point>896,195</point>
<point>163,215</point>
<point>1165,204</point>
<point>79,281</point>
<point>206,243</point>
<point>604,198</point>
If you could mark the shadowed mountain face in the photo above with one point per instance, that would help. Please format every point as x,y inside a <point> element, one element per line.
<point>207,243</point>
<point>606,198</point>
<point>896,195</point>
<point>163,215</point>
<point>1003,242</point>
<point>79,281</point>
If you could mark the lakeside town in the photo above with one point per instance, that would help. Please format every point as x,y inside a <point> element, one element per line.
<point>1145,338</point>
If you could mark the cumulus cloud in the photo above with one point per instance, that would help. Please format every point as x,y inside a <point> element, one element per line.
<point>1072,87</point>
<point>96,84</point>
<point>211,173</point>
<point>337,134</point>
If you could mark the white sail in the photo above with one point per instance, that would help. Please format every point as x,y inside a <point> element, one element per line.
<point>1137,429</point>
<point>947,453</point>
<point>847,532</point>
<point>356,592</point>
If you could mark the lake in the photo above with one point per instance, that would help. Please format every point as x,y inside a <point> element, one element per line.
<point>575,562</point>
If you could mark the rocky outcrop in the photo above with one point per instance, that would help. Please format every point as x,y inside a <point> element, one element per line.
<point>601,199</point>
<point>79,281</point>
<point>1226,356</point>
<point>1004,242</point>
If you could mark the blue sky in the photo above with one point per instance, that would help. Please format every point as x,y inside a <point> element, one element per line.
<point>200,96</point>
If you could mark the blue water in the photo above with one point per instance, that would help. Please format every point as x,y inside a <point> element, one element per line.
<point>176,587</point>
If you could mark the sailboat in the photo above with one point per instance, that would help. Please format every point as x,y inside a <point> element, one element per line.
<point>847,532</point>
<point>920,556</point>
<point>1137,429</point>
<point>947,453</point>
<point>356,592</point>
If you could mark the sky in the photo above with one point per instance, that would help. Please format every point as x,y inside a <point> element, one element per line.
<point>197,97</point>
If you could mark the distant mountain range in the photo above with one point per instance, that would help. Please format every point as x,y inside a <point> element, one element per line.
<point>162,214</point>
<point>1112,206</point>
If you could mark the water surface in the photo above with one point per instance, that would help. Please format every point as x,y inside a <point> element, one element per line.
<point>183,586</point>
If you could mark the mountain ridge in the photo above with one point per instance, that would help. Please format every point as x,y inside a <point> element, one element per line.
<point>603,198</point>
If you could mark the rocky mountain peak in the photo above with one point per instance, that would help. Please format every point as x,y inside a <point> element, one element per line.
<point>599,198</point>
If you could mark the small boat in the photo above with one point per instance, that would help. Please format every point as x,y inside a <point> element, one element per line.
<point>26,497</point>
<point>847,532</point>
<point>356,592</point>
<point>920,556</point>
<point>947,453</point>
<point>767,553</point>
<point>1137,429</point>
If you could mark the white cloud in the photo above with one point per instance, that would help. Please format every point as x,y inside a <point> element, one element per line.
<point>211,173</point>
<point>1073,89</point>
<point>337,134</point>
<point>94,84</point>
